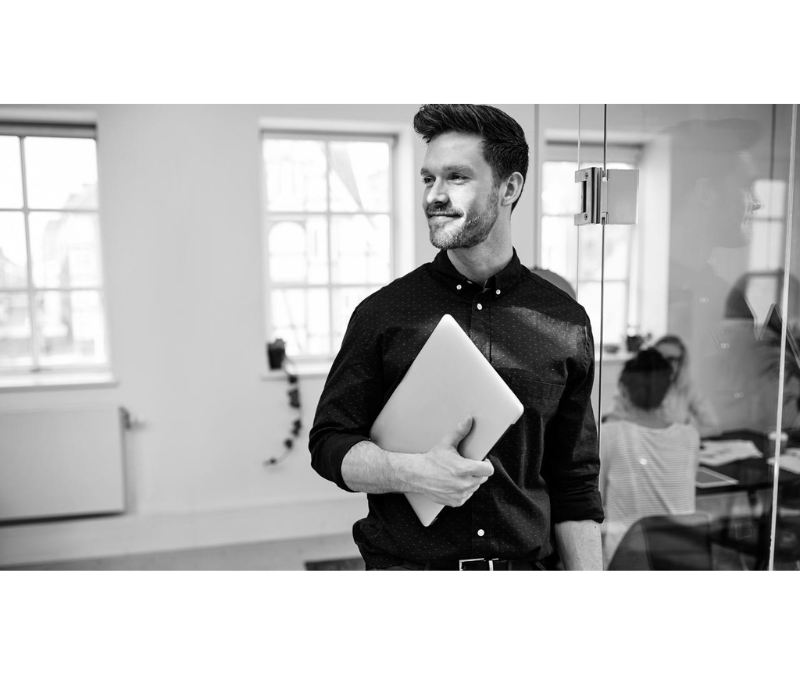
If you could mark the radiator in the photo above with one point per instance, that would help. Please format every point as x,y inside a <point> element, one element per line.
<point>61,463</point>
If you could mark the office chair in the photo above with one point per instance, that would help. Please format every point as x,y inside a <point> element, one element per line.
<point>665,543</point>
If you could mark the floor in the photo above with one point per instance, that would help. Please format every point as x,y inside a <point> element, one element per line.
<point>323,553</point>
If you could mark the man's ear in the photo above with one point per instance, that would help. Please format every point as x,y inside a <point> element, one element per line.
<point>513,189</point>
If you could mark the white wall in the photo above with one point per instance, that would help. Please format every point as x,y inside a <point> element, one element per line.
<point>181,228</point>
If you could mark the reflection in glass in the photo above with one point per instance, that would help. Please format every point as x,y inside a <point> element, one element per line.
<point>70,328</point>
<point>15,330</point>
<point>295,175</point>
<point>66,249</point>
<point>61,173</point>
<point>10,173</point>
<point>360,175</point>
<point>360,249</point>
<point>709,260</point>
<point>301,318</point>
<point>297,249</point>
<point>13,252</point>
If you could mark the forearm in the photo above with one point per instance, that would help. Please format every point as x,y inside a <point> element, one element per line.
<point>368,468</point>
<point>578,543</point>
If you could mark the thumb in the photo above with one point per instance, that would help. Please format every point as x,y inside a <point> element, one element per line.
<point>455,437</point>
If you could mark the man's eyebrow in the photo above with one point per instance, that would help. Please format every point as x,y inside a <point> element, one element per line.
<point>451,168</point>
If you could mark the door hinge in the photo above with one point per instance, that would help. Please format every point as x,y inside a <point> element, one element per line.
<point>609,197</point>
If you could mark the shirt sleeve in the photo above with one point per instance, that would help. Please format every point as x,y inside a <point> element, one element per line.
<point>571,463</point>
<point>351,398</point>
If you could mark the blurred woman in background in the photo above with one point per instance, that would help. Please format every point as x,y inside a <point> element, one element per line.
<point>647,464</point>
<point>683,403</point>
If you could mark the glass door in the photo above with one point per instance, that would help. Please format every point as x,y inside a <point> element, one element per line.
<point>702,279</point>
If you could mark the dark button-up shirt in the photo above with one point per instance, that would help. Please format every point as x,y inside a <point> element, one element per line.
<point>545,468</point>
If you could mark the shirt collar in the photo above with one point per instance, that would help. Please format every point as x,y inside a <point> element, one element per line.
<point>503,280</point>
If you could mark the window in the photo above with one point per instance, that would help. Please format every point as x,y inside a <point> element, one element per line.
<point>328,234</point>
<point>575,252</point>
<point>52,305</point>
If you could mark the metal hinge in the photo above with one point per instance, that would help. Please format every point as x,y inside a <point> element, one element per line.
<point>608,197</point>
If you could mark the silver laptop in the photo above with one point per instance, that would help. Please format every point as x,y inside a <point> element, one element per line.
<point>448,380</point>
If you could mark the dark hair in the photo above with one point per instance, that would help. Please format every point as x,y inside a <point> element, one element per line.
<point>647,378</point>
<point>504,146</point>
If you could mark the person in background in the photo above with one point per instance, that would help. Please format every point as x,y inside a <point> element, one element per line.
<point>647,464</point>
<point>683,403</point>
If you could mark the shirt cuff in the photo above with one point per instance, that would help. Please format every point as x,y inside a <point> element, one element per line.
<point>578,507</point>
<point>336,447</point>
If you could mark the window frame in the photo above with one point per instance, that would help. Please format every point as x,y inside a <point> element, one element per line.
<point>401,241</point>
<point>71,374</point>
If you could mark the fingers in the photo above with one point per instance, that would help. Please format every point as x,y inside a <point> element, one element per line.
<point>453,438</point>
<point>482,469</point>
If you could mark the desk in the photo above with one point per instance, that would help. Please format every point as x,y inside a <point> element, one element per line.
<point>754,473</point>
<point>748,531</point>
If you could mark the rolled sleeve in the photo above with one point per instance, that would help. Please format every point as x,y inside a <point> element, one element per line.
<point>572,460</point>
<point>350,400</point>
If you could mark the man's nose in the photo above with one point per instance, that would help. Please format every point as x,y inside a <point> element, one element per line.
<point>436,193</point>
<point>755,203</point>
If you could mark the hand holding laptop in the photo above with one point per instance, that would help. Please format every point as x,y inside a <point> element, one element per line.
<point>445,476</point>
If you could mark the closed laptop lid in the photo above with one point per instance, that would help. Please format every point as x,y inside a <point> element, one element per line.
<point>449,380</point>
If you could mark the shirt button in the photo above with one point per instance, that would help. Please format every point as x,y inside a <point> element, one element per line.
<point>481,533</point>
<point>497,291</point>
<point>480,306</point>
<point>458,288</point>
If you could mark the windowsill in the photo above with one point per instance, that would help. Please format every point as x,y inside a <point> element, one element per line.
<point>613,357</point>
<point>50,381</point>
<point>312,370</point>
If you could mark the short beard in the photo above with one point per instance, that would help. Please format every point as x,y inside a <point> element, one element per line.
<point>474,231</point>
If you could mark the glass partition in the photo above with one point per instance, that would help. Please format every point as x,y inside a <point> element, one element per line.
<point>704,268</point>
<point>785,540</point>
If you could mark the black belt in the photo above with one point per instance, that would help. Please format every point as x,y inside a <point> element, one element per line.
<point>482,564</point>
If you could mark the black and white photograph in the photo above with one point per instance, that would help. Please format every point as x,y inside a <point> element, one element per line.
<point>253,345</point>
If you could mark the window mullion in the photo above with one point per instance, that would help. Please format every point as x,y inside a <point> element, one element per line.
<point>330,247</point>
<point>29,253</point>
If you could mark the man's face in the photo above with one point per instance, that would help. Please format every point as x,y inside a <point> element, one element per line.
<point>736,204</point>
<point>460,198</point>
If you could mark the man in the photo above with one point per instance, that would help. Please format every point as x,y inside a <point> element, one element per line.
<point>544,471</point>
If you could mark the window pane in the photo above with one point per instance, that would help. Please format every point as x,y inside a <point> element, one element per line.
<point>559,190</point>
<point>15,330</point>
<point>301,318</point>
<point>13,255</point>
<point>65,249</point>
<point>616,251</point>
<point>297,249</point>
<point>360,175</point>
<point>10,173</point>
<point>360,248</point>
<point>559,246</point>
<point>61,173</point>
<point>70,328</point>
<point>345,301</point>
<point>295,175</point>
<point>614,324</point>
<point>766,245</point>
<point>771,194</point>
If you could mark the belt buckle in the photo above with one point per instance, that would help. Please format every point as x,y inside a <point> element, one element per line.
<point>466,560</point>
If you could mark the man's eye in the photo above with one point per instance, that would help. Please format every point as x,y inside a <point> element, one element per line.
<point>427,180</point>
<point>458,176</point>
